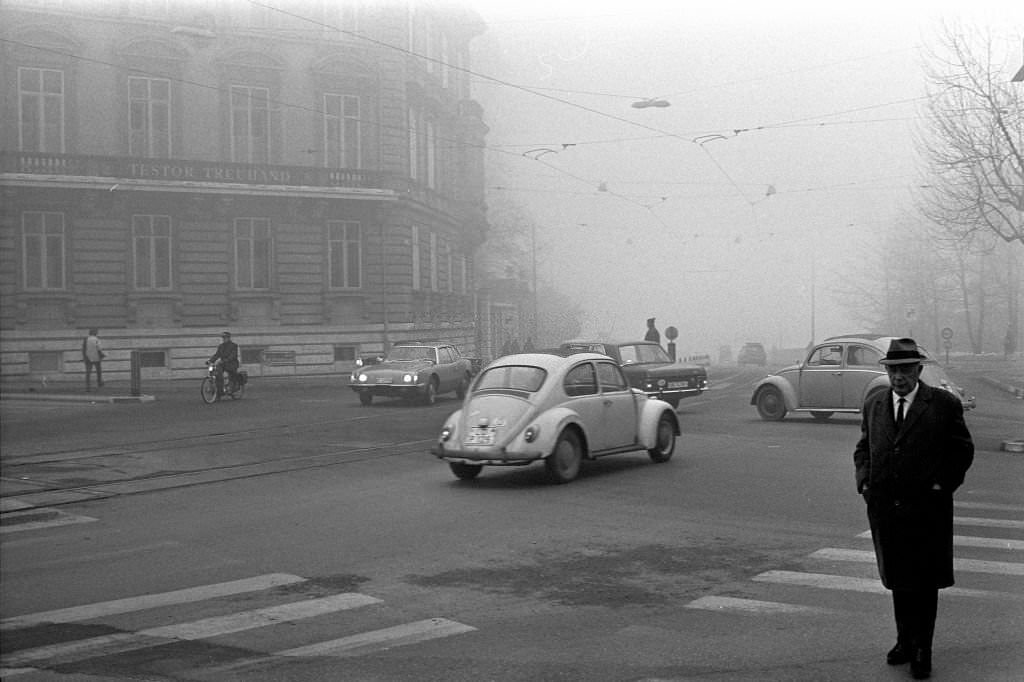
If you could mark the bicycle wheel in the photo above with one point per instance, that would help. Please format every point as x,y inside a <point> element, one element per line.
<point>208,390</point>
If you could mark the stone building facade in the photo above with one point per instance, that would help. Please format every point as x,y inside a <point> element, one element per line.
<point>310,179</point>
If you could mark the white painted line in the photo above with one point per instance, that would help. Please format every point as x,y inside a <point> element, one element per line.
<point>967,565</point>
<point>872,585</point>
<point>248,620</point>
<point>989,506</point>
<point>376,640</point>
<point>973,541</point>
<point>106,645</point>
<point>9,504</point>
<point>62,519</point>
<point>749,606</point>
<point>151,601</point>
<point>987,523</point>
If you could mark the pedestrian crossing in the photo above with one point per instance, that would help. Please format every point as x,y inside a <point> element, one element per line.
<point>1009,565</point>
<point>16,661</point>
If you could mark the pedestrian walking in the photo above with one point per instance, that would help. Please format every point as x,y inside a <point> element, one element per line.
<point>652,332</point>
<point>912,455</point>
<point>92,356</point>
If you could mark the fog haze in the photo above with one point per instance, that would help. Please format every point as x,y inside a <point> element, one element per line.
<point>786,151</point>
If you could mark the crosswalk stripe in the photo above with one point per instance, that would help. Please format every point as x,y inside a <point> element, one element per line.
<point>987,523</point>
<point>872,585</point>
<point>974,541</point>
<point>749,606</point>
<point>150,601</point>
<point>399,635</point>
<point>118,643</point>
<point>968,565</point>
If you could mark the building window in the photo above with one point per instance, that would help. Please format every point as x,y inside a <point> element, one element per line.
<point>416,285</point>
<point>414,145</point>
<point>151,236</point>
<point>341,132</point>
<point>433,261</point>
<point>41,110</point>
<point>45,361</point>
<point>344,353</point>
<point>43,250</point>
<point>252,253</point>
<point>345,251</point>
<point>250,124</point>
<point>340,17</point>
<point>150,9</point>
<point>431,153</point>
<point>152,358</point>
<point>150,117</point>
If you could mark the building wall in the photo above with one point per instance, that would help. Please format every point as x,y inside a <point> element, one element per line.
<point>202,50</point>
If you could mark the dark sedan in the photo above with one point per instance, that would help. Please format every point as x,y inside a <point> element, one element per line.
<point>648,367</point>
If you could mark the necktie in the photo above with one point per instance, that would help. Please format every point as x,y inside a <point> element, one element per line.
<point>899,413</point>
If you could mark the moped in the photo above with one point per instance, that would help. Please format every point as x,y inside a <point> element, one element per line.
<point>234,385</point>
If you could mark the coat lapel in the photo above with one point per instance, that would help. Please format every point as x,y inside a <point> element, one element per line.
<point>919,406</point>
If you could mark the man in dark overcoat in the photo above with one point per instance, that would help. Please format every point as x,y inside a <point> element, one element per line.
<point>913,453</point>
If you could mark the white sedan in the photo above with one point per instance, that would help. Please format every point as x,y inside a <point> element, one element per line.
<point>562,410</point>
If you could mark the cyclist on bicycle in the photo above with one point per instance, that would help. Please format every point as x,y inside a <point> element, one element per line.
<point>227,358</point>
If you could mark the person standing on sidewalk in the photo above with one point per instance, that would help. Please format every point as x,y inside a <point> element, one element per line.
<point>92,356</point>
<point>913,453</point>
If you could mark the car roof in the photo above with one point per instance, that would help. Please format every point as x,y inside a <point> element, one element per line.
<point>606,342</point>
<point>546,361</point>
<point>878,341</point>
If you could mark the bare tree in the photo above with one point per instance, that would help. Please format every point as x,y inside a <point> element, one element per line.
<point>974,137</point>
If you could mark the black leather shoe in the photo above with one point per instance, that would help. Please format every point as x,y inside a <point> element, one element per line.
<point>921,664</point>
<point>898,655</point>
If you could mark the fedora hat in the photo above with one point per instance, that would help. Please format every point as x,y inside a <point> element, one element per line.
<point>902,352</point>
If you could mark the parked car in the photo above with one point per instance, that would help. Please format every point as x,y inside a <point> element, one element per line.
<point>559,409</point>
<point>648,367</point>
<point>837,376</point>
<point>752,354</point>
<point>413,371</point>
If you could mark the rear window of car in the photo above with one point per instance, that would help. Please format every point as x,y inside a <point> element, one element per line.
<point>513,377</point>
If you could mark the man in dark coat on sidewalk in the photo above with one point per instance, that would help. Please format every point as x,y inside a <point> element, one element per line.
<point>913,453</point>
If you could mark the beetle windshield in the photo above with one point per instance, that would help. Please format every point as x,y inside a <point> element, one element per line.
<point>643,352</point>
<point>411,353</point>
<point>514,377</point>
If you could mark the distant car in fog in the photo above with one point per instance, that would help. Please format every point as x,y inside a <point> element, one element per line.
<point>838,375</point>
<point>413,371</point>
<point>752,354</point>
<point>648,367</point>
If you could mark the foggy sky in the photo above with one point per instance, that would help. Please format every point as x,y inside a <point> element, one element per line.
<point>712,230</point>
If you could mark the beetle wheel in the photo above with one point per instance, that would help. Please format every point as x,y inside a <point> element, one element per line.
<point>465,472</point>
<point>665,442</point>
<point>770,404</point>
<point>208,390</point>
<point>563,464</point>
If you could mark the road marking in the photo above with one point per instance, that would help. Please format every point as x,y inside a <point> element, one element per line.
<point>973,541</point>
<point>749,606</point>
<point>987,523</point>
<point>968,565</point>
<point>375,640</point>
<point>150,601</point>
<point>119,643</point>
<point>872,585</point>
<point>993,507</point>
<point>47,518</point>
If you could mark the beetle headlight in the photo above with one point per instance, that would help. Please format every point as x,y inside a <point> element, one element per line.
<point>362,377</point>
<point>531,433</point>
<point>446,433</point>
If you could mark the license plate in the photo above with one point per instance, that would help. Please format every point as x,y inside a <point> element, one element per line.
<point>383,380</point>
<point>480,436</point>
<point>679,384</point>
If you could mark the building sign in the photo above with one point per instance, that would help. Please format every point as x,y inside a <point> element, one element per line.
<point>260,175</point>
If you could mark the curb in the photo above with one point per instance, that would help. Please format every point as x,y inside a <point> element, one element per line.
<point>1016,391</point>
<point>74,398</point>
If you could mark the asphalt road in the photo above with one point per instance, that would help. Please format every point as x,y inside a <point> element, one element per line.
<point>295,535</point>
